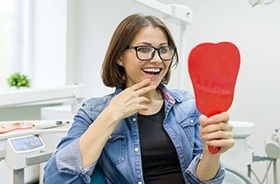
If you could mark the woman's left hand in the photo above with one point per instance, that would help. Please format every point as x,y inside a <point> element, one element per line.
<point>216,131</point>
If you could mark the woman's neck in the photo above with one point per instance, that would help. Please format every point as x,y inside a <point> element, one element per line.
<point>155,104</point>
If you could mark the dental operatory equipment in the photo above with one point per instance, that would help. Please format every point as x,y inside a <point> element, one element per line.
<point>26,147</point>
<point>176,11</point>
<point>272,149</point>
<point>272,145</point>
<point>26,144</point>
<point>260,2</point>
<point>75,92</point>
<point>13,126</point>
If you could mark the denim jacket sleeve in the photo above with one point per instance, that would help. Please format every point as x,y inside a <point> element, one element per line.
<point>193,179</point>
<point>65,166</point>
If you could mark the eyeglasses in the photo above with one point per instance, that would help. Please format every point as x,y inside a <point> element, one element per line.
<point>145,53</point>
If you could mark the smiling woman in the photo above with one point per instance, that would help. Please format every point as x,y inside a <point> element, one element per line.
<point>15,42</point>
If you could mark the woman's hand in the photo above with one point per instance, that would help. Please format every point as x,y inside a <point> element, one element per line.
<point>131,100</point>
<point>216,131</point>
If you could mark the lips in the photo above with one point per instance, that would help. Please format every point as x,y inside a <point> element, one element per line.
<point>152,71</point>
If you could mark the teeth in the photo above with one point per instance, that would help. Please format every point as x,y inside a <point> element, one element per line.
<point>151,70</point>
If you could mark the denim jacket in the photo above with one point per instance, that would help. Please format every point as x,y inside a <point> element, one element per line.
<point>123,147</point>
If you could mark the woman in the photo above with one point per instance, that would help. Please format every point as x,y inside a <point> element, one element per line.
<point>151,134</point>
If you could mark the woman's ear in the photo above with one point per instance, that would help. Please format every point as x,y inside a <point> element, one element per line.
<point>120,62</point>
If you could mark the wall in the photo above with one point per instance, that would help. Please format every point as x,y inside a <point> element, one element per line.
<point>50,43</point>
<point>255,30</point>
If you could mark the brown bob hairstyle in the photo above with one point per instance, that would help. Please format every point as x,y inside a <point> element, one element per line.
<point>113,75</point>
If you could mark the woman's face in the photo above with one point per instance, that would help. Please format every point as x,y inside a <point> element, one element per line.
<point>154,69</point>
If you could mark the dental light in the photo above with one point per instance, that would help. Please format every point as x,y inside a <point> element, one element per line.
<point>179,12</point>
<point>260,2</point>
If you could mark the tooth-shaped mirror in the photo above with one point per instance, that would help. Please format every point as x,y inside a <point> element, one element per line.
<point>213,69</point>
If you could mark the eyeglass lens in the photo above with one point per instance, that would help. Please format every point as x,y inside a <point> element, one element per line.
<point>147,53</point>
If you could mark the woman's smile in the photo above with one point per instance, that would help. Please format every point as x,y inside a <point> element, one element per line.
<point>152,70</point>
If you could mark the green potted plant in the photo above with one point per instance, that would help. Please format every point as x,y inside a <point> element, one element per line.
<point>18,80</point>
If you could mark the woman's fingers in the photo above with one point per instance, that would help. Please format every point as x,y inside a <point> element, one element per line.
<point>142,87</point>
<point>132,99</point>
<point>224,144</point>
<point>217,118</point>
<point>209,134</point>
<point>217,131</point>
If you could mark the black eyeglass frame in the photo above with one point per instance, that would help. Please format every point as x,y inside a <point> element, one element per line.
<point>153,53</point>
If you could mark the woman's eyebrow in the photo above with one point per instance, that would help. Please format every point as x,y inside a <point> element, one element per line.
<point>147,43</point>
<point>144,43</point>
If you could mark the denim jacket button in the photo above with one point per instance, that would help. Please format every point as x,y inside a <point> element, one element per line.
<point>134,119</point>
<point>139,182</point>
<point>136,149</point>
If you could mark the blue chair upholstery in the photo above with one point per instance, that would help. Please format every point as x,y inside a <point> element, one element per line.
<point>98,176</point>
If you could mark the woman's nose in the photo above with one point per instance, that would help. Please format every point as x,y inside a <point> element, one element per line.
<point>156,57</point>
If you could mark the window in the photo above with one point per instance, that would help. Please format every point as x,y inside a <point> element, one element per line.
<point>15,40</point>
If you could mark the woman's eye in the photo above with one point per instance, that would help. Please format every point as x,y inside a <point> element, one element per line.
<point>163,50</point>
<point>144,49</point>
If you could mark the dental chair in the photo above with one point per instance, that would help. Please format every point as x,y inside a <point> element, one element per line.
<point>237,159</point>
<point>234,177</point>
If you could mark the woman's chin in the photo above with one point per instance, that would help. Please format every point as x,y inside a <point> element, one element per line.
<point>154,83</point>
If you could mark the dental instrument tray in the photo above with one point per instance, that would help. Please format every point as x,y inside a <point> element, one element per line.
<point>22,125</point>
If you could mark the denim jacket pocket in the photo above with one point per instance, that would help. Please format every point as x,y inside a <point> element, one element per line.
<point>115,147</point>
<point>188,125</point>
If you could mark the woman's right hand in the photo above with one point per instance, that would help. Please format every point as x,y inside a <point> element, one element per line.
<point>131,100</point>
<point>126,103</point>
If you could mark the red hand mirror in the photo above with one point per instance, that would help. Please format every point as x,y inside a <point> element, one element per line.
<point>213,69</point>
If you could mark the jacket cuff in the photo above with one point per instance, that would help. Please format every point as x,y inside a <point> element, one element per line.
<point>69,159</point>
<point>191,172</point>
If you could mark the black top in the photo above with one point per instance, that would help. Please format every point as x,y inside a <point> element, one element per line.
<point>159,158</point>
